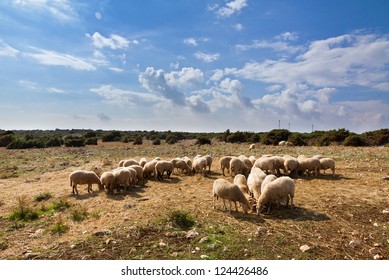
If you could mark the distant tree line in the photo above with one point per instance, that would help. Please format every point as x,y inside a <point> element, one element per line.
<point>26,139</point>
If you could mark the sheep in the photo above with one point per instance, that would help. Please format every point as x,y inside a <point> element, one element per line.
<point>108,181</point>
<point>309,164</point>
<point>252,159</point>
<point>82,177</point>
<point>134,175</point>
<point>279,189</point>
<point>231,192</point>
<point>252,147</point>
<point>318,156</point>
<point>181,165</point>
<point>291,165</point>
<point>209,162</point>
<point>225,163</point>
<point>142,161</point>
<point>199,165</point>
<point>188,161</point>
<point>279,164</point>
<point>327,163</point>
<point>266,164</point>
<point>149,168</point>
<point>238,167</point>
<point>254,181</point>
<point>163,166</point>
<point>139,174</point>
<point>285,143</point>
<point>129,162</point>
<point>246,161</point>
<point>122,178</point>
<point>267,180</point>
<point>241,181</point>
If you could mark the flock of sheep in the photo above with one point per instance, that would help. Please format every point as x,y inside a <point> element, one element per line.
<point>258,183</point>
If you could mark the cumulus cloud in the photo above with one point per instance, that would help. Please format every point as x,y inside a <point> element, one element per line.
<point>190,42</point>
<point>113,42</point>
<point>187,78</point>
<point>207,57</point>
<point>229,9</point>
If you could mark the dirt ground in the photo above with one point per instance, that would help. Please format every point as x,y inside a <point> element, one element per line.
<point>341,217</point>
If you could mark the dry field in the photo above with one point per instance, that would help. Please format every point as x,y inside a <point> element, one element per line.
<point>345,217</point>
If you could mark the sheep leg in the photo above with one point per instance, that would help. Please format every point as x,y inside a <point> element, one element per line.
<point>75,188</point>
<point>230,206</point>
<point>89,188</point>
<point>224,203</point>
<point>236,208</point>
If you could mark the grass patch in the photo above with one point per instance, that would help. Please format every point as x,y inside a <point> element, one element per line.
<point>59,227</point>
<point>42,196</point>
<point>79,214</point>
<point>23,211</point>
<point>181,219</point>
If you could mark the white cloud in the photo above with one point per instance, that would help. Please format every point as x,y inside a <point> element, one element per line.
<point>60,59</point>
<point>115,69</point>
<point>187,78</point>
<point>98,15</point>
<point>190,42</point>
<point>55,90</point>
<point>229,9</point>
<point>238,27</point>
<point>279,46</point>
<point>7,50</point>
<point>206,57</point>
<point>287,36</point>
<point>114,42</point>
<point>59,9</point>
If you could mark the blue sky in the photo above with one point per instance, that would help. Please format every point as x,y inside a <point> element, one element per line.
<point>194,65</point>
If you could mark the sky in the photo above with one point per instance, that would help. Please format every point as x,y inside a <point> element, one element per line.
<point>195,66</point>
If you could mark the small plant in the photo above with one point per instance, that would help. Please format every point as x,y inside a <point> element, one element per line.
<point>42,196</point>
<point>138,140</point>
<point>181,219</point>
<point>79,214</point>
<point>23,211</point>
<point>60,205</point>
<point>157,141</point>
<point>59,227</point>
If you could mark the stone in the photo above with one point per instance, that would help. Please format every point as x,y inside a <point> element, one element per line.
<point>102,232</point>
<point>192,234</point>
<point>204,257</point>
<point>204,240</point>
<point>305,248</point>
<point>374,251</point>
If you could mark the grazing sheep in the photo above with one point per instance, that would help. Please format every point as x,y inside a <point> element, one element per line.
<point>225,163</point>
<point>108,181</point>
<point>142,161</point>
<point>285,143</point>
<point>139,174</point>
<point>252,147</point>
<point>291,165</point>
<point>309,165</point>
<point>267,180</point>
<point>238,167</point>
<point>188,161</point>
<point>241,181</point>
<point>318,156</point>
<point>279,164</point>
<point>254,181</point>
<point>199,165</point>
<point>252,159</point>
<point>163,166</point>
<point>129,162</point>
<point>122,178</point>
<point>149,168</point>
<point>83,177</point>
<point>266,163</point>
<point>231,192</point>
<point>134,175</point>
<point>275,191</point>
<point>209,162</point>
<point>181,165</point>
<point>327,163</point>
<point>246,161</point>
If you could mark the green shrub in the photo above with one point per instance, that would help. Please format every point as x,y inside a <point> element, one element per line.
<point>6,139</point>
<point>171,139</point>
<point>53,142</point>
<point>42,196</point>
<point>138,140</point>
<point>23,211</point>
<point>157,141</point>
<point>79,214</point>
<point>114,136</point>
<point>203,141</point>
<point>59,227</point>
<point>91,141</point>
<point>74,141</point>
<point>297,139</point>
<point>181,219</point>
<point>354,140</point>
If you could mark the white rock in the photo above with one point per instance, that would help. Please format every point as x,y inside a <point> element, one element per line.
<point>305,248</point>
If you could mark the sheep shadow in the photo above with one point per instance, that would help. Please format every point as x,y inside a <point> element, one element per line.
<point>329,177</point>
<point>84,196</point>
<point>133,192</point>
<point>296,214</point>
<point>239,215</point>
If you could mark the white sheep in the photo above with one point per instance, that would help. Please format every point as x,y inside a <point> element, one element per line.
<point>285,143</point>
<point>149,168</point>
<point>225,163</point>
<point>309,165</point>
<point>122,178</point>
<point>254,181</point>
<point>139,174</point>
<point>237,166</point>
<point>279,164</point>
<point>266,164</point>
<point>231,192</point>
<point>181,165</point>
<point>129,162</point>
<point>163,166</point>
<point>241,181</point>
<point>291,165</point>
<point>252,159</point>
<point>267,180</point>
<point>199,165</point>
<point>108,181</point>
<point>327,163</point>
<point>282,188</point>
<point>246,161</point>
<point>83,177</point>
<point>209,162</point>
<point>252,147</point>
<point>188,161</point>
